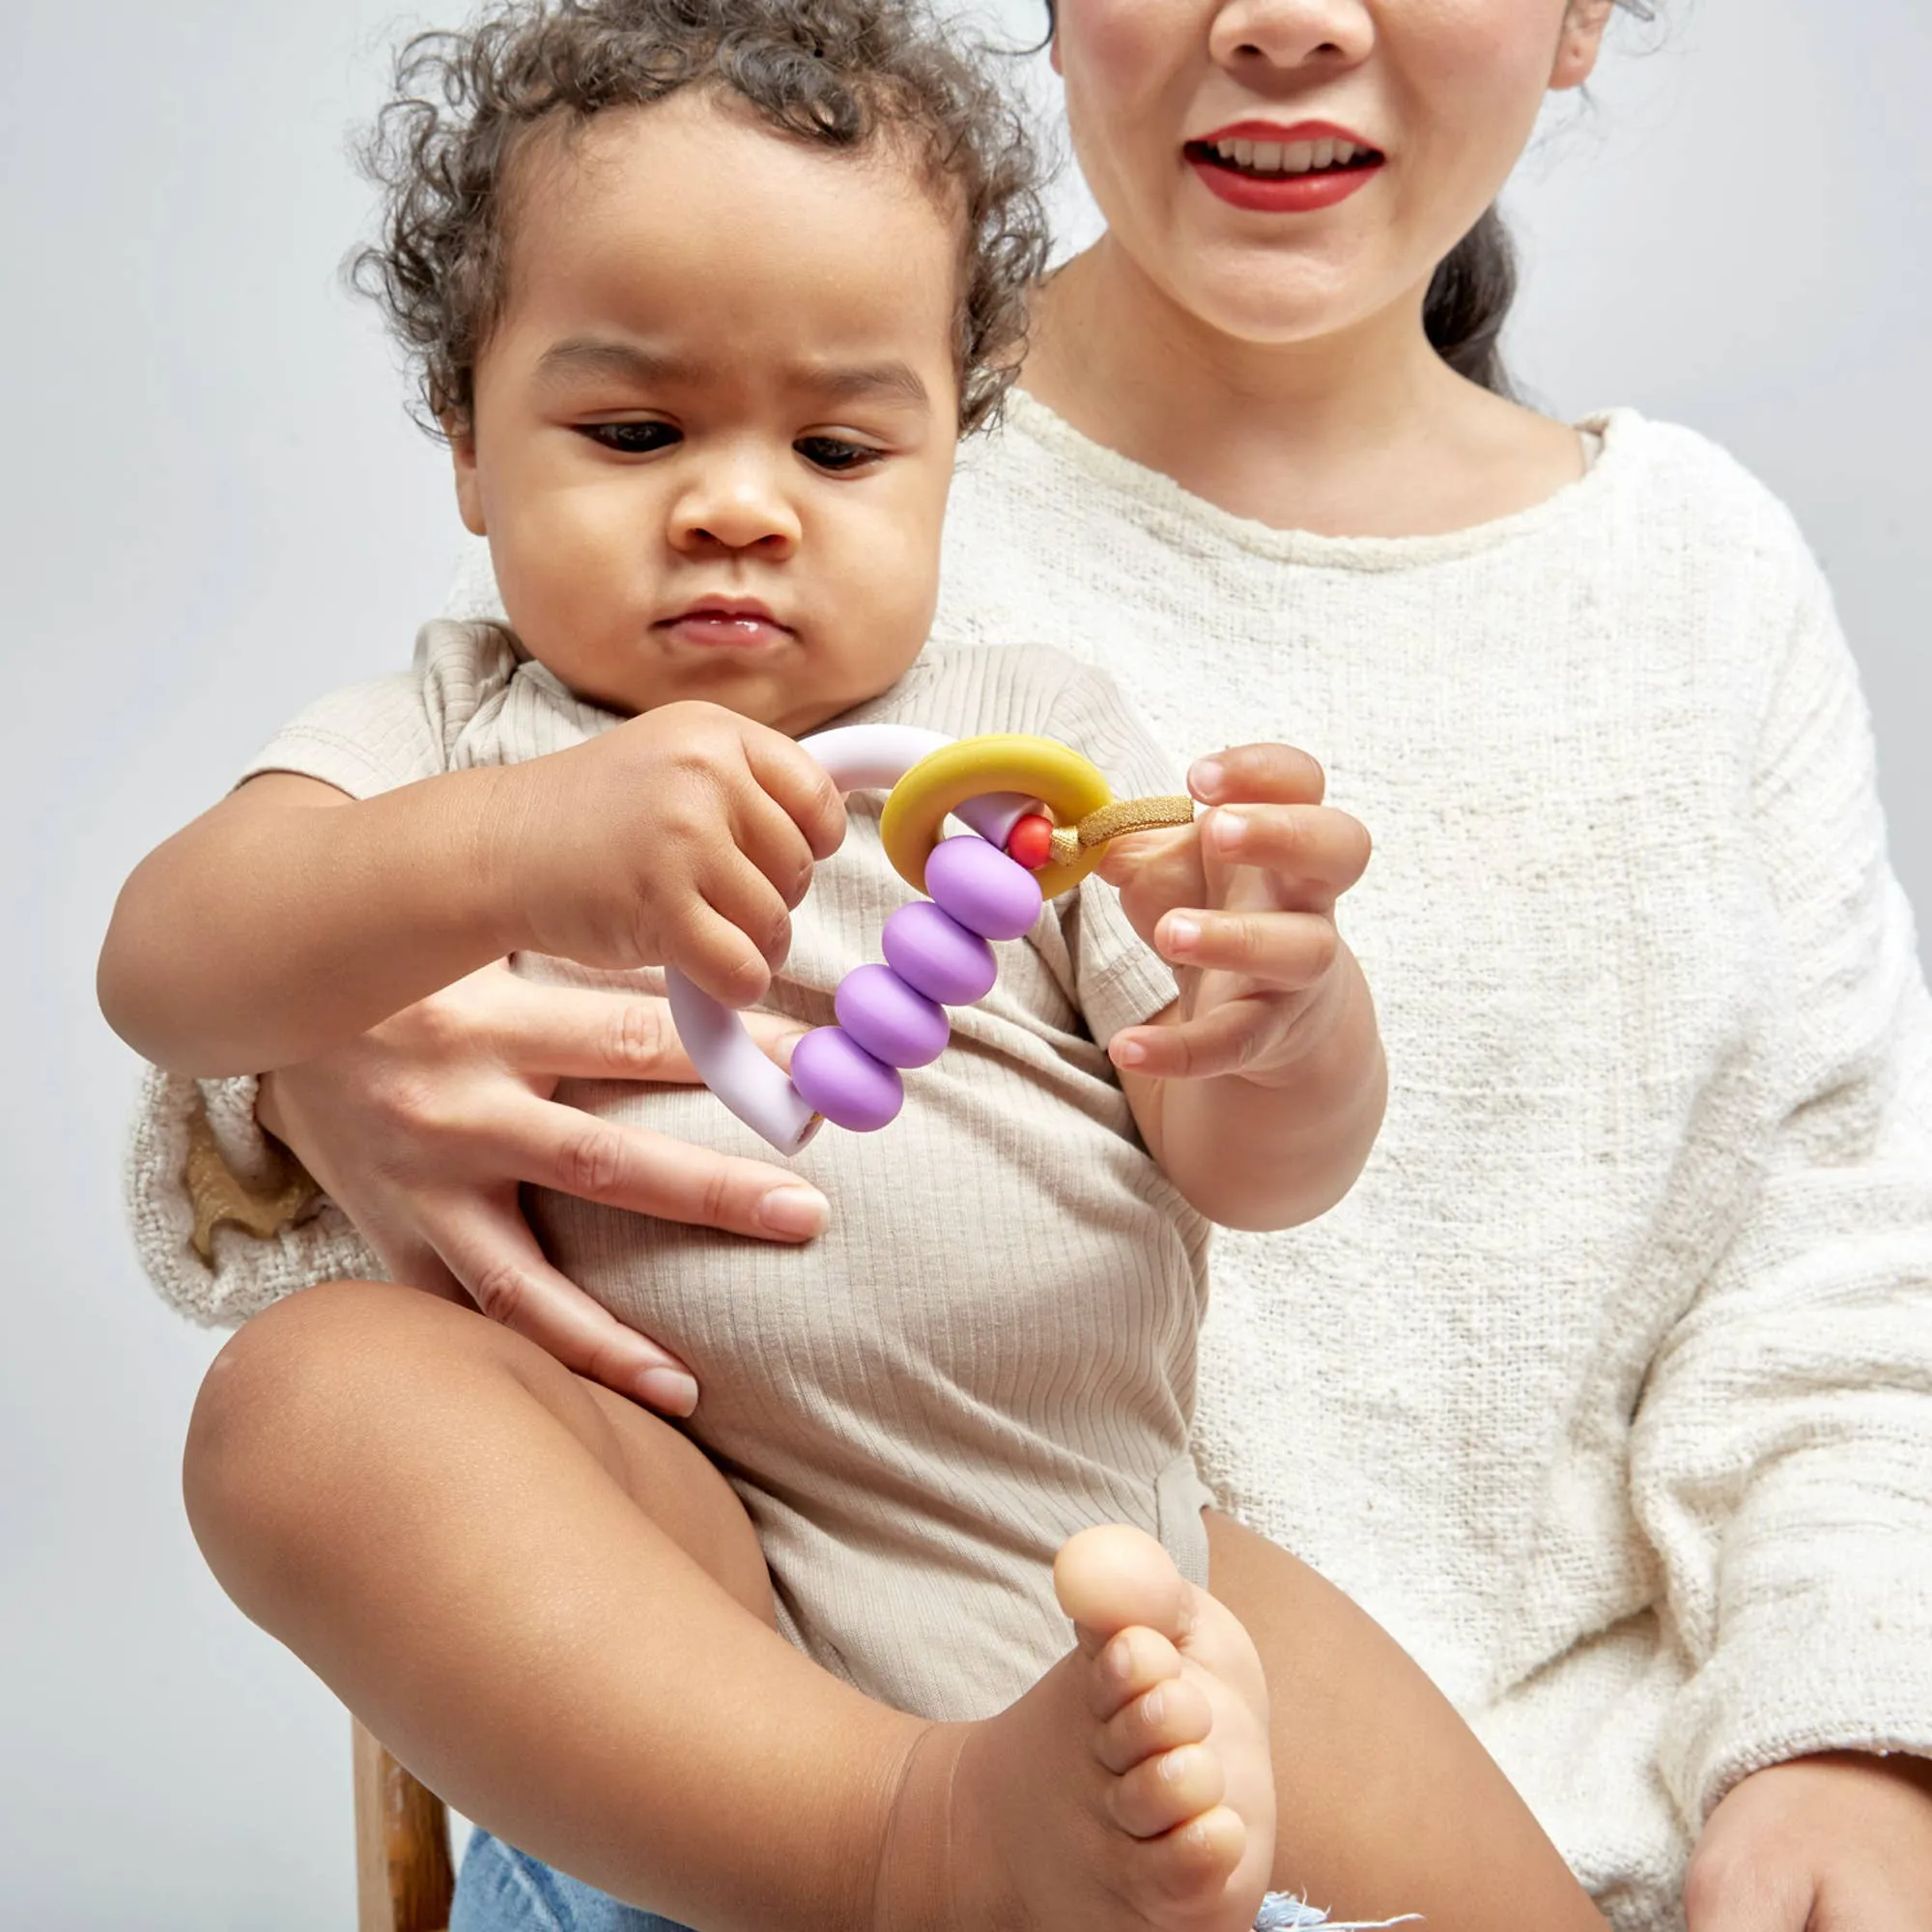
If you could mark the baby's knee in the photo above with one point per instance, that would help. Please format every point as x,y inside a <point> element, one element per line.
<point>284,1387</point>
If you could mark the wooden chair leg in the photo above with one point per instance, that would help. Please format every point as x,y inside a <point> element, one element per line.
<point>403,1882</point>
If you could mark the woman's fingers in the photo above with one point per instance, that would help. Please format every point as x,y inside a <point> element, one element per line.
<point>618,1166</point>
<point>579,1034</point>
<point>489,1249</point>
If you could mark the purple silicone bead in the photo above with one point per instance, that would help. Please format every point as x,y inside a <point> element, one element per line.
<point>981,888</point>
<point>934,954</point>
<point>836,1077</point>
<point>889,1019</point>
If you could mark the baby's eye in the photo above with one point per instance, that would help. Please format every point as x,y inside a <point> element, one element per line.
<point>834,453</point>
<point>633,438</point>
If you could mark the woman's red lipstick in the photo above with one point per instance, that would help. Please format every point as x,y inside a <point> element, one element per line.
<point>1223,161</point>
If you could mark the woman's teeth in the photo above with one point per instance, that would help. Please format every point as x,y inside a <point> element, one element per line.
<point>1290,157</point>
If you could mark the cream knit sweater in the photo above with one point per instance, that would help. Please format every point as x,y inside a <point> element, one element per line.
<point>1609,1388</point>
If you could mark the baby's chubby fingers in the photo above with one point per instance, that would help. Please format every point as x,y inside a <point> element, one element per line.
<point>1155,871</point>
<point>1286,950</point>
<point>1258,774</point>
<point>800,785</point>
<point>1237,1038</point>
<point>1313,852</point>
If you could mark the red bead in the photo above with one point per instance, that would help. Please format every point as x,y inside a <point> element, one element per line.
<point>1029,844</point>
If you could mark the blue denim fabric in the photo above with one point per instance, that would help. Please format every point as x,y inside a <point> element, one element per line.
<point>505,1891</point>
<point>502,1889</point>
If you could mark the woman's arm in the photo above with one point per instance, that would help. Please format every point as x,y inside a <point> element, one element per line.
<point>1781,1453</point>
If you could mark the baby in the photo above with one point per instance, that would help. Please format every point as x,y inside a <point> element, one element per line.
<point>703,297</point>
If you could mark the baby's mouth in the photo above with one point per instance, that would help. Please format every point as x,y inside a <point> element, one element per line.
<point>728,625</point>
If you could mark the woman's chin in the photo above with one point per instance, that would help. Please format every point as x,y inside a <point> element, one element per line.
<point>1269,302</point>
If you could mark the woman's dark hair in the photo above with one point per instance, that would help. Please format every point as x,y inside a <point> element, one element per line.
<point>837,73</point>
<point>1474,285</point>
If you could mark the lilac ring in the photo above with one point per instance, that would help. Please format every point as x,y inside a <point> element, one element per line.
<point>844,1080</point>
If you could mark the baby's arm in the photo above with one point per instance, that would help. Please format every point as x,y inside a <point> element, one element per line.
<point>1261,1091</point>
<point>290,917</point>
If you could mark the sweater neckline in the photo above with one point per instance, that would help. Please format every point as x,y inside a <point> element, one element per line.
<point>1152,490</point>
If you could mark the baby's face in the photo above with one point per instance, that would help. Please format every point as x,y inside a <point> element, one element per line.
<point>714,428</point>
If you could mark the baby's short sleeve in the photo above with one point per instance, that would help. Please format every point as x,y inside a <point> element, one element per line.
<point>391,731</point>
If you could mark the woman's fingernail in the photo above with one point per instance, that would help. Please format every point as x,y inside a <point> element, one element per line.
<point>792,1211</point>
<point>1181,935</point>
<point>1203,780</point>
<point>1128,1053</point>
<point>668,1391</point>
<point>1227,828</point>
<point>787,1047</point>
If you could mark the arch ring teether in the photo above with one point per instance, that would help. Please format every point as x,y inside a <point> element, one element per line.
<point>990,793</point>
<point>946,780</point>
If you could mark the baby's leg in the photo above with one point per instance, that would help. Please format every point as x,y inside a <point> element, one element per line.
<point>1388,1803</point>
<point>546,1601</point>
<point>551,1606</point>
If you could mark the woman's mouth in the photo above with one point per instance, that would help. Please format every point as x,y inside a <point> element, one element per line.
<point>1284,170</point>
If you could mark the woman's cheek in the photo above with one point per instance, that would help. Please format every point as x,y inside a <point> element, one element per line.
<point>1122,65</point>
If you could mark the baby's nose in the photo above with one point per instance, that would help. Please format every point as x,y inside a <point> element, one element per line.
<point>739,506</point>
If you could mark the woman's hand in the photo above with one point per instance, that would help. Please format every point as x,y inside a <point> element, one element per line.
<point>423,1129</point>
<point>1838,1843</point>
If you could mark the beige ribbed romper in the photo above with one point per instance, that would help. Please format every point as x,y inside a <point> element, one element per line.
<point>992,1346</point>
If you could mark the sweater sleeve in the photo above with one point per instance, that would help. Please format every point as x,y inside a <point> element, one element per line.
<point>1782,1448</point>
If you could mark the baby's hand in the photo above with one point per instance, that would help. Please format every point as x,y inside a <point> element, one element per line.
<point>680,837</point>
<point>1243,903</point>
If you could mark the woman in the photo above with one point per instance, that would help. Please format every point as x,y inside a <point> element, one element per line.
<point>1619,1347</point>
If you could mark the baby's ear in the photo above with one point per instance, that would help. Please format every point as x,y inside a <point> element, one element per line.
<point>461,433</point>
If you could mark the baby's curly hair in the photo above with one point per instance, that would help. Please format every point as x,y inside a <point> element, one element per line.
<point>838,73</point>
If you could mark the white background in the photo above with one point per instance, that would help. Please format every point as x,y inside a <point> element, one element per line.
<point>212,508</point>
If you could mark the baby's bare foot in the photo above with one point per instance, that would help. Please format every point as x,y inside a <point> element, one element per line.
<point>1128,1791</point>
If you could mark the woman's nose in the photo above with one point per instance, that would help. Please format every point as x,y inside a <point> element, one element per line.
<point>1289,34</point>
<point>736,504</point>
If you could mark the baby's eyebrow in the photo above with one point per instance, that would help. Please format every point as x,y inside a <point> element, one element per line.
<point>592,355</point>
<point>890,380</point>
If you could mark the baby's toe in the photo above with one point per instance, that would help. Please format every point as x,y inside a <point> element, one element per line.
<point>1174,1712</point>
<point>1114,1576</point>
<point>1167,1790</point>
